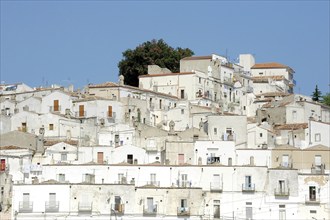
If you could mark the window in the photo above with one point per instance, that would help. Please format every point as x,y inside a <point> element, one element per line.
<point>285,160</point>
<point>160,104</point>
<point>182,94</point>
<point>51,127</point>
<point>215,131</point>
<point>260,134</point>
<point>317,137</point>
<point>282,212</point>
<point>294,114</point>
<point>61,177</point>
<point>64,156</point>
<point>216,208</point>
<point>182,111</point>
<point>121,178</point>
<point>199,80</point>
<point>184,180</point>
<point>117,139</point>
<point>130,158</point>
<point>100,159</point>
<point>261,73</point>
<point>318,160</point>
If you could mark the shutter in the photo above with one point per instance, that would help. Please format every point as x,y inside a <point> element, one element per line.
<point>56,105</point>
<point>81,110</point>
<point>110,111</point>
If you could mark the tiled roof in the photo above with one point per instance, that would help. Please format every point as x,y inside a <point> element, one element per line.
<point>260,79</point>
<point>53,142</point>
<point>268,65</point>
<point>292,126</point>
<point>273,94</point>
<point>198,58</point>
<point>106,84</point>
<point>166,74</point>
<point>318,147</point>
<point>11,148</point>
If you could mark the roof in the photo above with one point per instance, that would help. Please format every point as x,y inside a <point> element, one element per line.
<point>12,147</point>
<point>198,58</point>
<point>106,84</point>
<point>318,147</point>
<point>166,74</point>
<point>285,147</point>
<point>271,65</point>
<point>292,126</point>
<point>273,94</point>
<point>261,79</point>
<point>53,142</point>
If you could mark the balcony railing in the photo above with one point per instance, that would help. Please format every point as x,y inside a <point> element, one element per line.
<point>282,191</point>
<point>85,207</point>
<point>248,187</point>
<point>153,183</point>
<point>52,206</point>
<point>318,169</point>
<point>150,210</point>
<point>25,206</point>
<point>184,184</point>
<point>211,160</point>
<point>54,109</point>
<point>216,187</point>
<point>312,199</point>
<point>183,211</point>
<point>80,114</point>
<point>118,208</point>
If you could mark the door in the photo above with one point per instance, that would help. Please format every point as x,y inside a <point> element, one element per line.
<point>216,181</point>
<point>56,106</point>
<point>24,127</point>
<point>26,200</point>
<point>184,180</point>
<point>150,204</point>
<point>247,182</point>
<point>181,159</point>
<point>110,111</point>
<point>130,158</point>
<point>52,200</point>
<point>248,213</point>
<point>100,157</point>
<point>117,203</point>
<point>81,110</point>
<point>3,165</point>
<point>216,211</point>
<point>312,193</point>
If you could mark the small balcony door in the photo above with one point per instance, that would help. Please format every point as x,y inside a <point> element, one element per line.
<point>56,106</point>
<point>312,193</point>
<point>81,110</point>
<point>150,204</point>
<point>52,200</point>
<point>100,157</point>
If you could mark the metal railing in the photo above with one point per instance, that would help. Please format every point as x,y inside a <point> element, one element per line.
<point>248,187</point>
<point>153,183</point>
<point>282,191</point>
<point>312,199</point>
<point>150,210</point>
<point>216,187</point>
<point>52,206</point>
<point>85,207</point>
<point>118,208</point>
<point>25,206</point>
<point>183,211</point>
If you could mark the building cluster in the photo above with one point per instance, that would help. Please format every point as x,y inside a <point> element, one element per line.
<point>217,140</point>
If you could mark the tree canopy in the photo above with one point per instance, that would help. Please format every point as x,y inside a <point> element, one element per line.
<point>326,99</point>
<point>316,96</point>
<point>155,52</point>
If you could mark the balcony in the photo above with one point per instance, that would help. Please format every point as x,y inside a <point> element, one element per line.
<point>85,207</point>
<point>80,114</point>
<point>184,184</point>
<point>228,81</point>
<point>248,187</point>
<point>282,192</point>
<point>55,108</point>
<point>118,208</point>
<point>216,187</point>
<point>153,183</point>
<point>111,116</point>
<point>183,211</point>
<point>150,210</point>
<point>25,207</point>
<point>212,160</point>
<point>318,169</point>
<point>52,206</point>
<point>312,199</point>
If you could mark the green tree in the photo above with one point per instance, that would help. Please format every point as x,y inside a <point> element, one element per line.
<point>326,99</point>
<point>316,96</point>
<point>155,52</point>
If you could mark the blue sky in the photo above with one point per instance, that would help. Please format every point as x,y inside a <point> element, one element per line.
<point>81,42</point>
